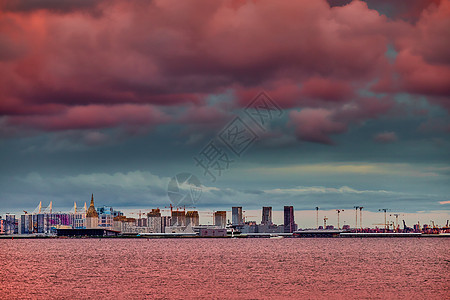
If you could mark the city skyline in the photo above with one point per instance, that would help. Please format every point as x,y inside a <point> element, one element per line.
<point>224,149</point>
<point>303,218</point>
<point>360,106</point>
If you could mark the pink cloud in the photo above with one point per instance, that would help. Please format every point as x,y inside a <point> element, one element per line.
<point>315,125</point>
<point>318,124</point>
<point>327,90</point>
<point>386,137</point>
<point>93,117</point>
<point>60,66</point>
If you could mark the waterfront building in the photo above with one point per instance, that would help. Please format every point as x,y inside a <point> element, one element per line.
<point>270,228</point>
<point>212,232</point>
<point>54,221</point>
<point>106,216</point>
<point>38,221</point>
<point>154,221</point>
<point>178,218</point>
<point>79,221</point>
<point>91,215</point>
<point>165,221</point>
<point>266,215</point>
<point>289,223</point>
<point>236,216</point>
<point>124,224</point>
<point>179,229</point>
<point>142,222</point>
<point>249,227</point>
<point>11,224</point>
<point>26,224</point>
<point>193,218</point>
<point>220,219</point>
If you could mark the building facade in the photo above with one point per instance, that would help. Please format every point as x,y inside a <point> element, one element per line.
<point>178,218</point>
<point>91,215</point>
<point>106,215</point>
<point>220,219</point>
<point>289,223</point>
<point>154,221</point>
<point>236,216</point>
<point>192,218</point>
<point>266,215</point>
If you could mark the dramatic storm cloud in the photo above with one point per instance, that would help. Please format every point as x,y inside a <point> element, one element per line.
<point>94,89</point>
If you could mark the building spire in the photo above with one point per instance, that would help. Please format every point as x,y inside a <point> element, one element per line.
<point>92,200</point>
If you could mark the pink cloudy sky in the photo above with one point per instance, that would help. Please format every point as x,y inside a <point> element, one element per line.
<point>63,63</point>
<point>91,73</point>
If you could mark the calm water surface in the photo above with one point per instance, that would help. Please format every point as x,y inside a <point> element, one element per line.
<point>225,268</point>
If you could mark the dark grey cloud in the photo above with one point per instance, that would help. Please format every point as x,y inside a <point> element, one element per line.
<point>57,6</point>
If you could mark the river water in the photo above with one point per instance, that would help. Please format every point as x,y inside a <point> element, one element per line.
<point>334,268</point>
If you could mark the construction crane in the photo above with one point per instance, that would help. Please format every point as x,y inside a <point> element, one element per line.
<point>338,213</point>
<point>434,226</point>
<point>385,222</point>
<point>396,220</point>
<point>356,217</point>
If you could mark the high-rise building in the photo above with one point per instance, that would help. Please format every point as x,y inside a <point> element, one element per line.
<point>266,215</point>
<point>236,216</point>
<point>91,215</point>
<point>26,224</point>
<point>11,224</point>
<point>192,218</point>
<point>220,219</point>
<point>289,223</point>
<point>106,215</point>
<point>38,223</point>
<point>53,221</point>
<point>178,218</point>
<point>165,222</point>
<point>79,221</point>
<point>154,221</point>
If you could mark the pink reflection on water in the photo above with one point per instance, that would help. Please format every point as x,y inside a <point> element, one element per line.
<point>225,268</point>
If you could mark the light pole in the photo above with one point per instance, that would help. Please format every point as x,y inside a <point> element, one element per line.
<point>338,213</point>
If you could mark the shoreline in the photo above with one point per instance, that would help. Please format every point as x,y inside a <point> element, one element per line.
<point>346,236</point>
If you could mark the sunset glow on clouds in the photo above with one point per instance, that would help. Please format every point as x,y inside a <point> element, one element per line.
<point>96,72</point>
<point>61,63</point>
